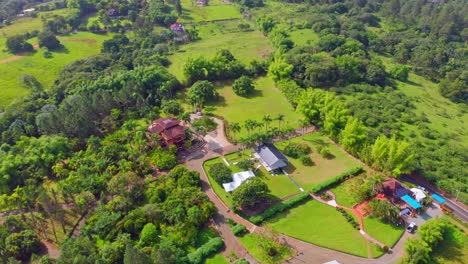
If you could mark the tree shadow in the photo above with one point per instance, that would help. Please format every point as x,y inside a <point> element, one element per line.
<point>318,141</point>
<point>290,168</point>
<point>254,93</point>
<point>413,83</point>
<point>62,49</point>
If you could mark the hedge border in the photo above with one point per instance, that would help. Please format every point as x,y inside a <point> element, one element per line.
<point>338,178</point>
<point>278,208</point>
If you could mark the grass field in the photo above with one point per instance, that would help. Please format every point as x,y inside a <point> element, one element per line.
<point>308,176</point>
<point>216,10</point>
<point>221,35</point>
<point>386,233</point>
<point>321,225</point>
<point>267,100</point>
<point>76,46</point>
<point>280,186</point>
<point>251,243</point>
<point>344,193</point>
<point>217,259</point>
<point>302,37</point>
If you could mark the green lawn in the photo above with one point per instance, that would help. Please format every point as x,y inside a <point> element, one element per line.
<point>308,176</point>
<point>216,10</point>
<point>280,185</point>
<point>344,192</point>
<point>217,259</point>
<point>221,35</point>
<point>267,100</point>
<point>386,233</point>
<point>251,243</point>
<point>76,46</point>
<point>321,225</point>
<point>302,37</point>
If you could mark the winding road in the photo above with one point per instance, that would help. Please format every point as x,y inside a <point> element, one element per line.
<point>305,252</point>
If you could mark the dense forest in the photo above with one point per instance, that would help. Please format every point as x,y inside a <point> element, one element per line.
<point>87,133</point>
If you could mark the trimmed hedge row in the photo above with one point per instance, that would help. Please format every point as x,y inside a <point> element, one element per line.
<point>336,179</point>
<point>206,250</point>
<point>278,208</point>
<point>238,229</point>
<point>348,217</point>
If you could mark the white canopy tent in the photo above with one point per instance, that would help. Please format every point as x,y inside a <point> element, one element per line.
<point>237,180</point>
<point>419,194</point>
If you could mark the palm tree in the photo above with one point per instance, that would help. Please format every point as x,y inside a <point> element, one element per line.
<point>280,118</point>
<point>185,117</point>
<point>267,119</point>
<point>235,128</point>
<point>249,125</point>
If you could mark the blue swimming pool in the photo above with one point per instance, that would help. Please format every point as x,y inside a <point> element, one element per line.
<point>412,202</point>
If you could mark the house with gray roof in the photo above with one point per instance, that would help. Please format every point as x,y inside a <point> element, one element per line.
<point>270,157</point>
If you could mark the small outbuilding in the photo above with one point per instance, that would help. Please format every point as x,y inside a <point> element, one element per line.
<point>418,194</point>
<point>237,180</point>
<point>270,157</point>
<point>177,27</point>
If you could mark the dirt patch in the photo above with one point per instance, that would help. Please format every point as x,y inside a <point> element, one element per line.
<point>84,40</point>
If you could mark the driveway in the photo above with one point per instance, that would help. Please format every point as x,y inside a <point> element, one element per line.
<point>433,210</point>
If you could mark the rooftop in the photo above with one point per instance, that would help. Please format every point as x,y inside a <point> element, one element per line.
<point>270,156</point>
<point>237,180</point>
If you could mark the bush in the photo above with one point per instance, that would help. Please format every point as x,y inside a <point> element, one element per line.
<point>336,179</point>
<point>306,160</point>
<point>164,160</point>
<point>279,207</point>
<point>238,229</point>
<point>348,217</point>
<point>245,164</point>
<point>206,250</point>
<point>220,173</point>
<point>206,123</point>
<point>243,86</point>
<point>295,150</point>
<point>325,152</point>
<point>241,261</point>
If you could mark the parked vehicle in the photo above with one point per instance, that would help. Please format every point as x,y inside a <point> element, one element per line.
<point>411,227</point>
<point>446,208</point>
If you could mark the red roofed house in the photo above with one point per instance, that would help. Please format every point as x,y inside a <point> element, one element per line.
<point>169,131</point>
<point>394,190</point>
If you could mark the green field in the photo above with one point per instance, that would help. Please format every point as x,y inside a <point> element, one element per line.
<point>238,109</point>
<point>280,185</point>
<point>216,10</point>
<point>302,37</point>
<point>251,243</point>
<point>221,35</point>
<point>217,259</point>
<point>344,192</point>
<point>321,225</point>
<point>76,46</point>
<point>308,176</point>
<point>386,233</point>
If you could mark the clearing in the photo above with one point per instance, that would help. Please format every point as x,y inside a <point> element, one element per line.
<point>321,225</point>
<point>386,233</point>
<point>323,169</point>
<point>215,10</point>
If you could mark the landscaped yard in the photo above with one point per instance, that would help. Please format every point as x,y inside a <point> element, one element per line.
<point>386,233</point>
<point>252,243</point>
<point>267,100</point>
<point>323,169</point>
<point>280,185</point>
<point>344,192</point>
<point>321,225</point>
<point>221,35</point>
<point>76,46</point>
<point>215,10</point>
<point>217,259</point>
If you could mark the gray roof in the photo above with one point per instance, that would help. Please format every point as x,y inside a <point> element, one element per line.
<point>271,156</point>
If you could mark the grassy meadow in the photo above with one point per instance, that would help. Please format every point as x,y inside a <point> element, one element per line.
<point>76,46</point>
<point>388,234</point>
<point>251,243</point>
<point>321,225</point>
<point>221,35</point>
<point>215,10</point>
<point>323,169</point>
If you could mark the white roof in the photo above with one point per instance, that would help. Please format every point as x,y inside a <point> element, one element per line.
<point>332,262</point>
<point>418,194</point>
<point>28,10</point>
<point>237,180</point>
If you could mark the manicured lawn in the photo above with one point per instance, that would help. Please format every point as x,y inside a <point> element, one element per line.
<point>217,259</point>
<point>77,46</point>
<point>344,192</point>
<point>386,233</point>
<point>321,225</point>
<point>221,35</point>
<point>216,10</point>
<point>308,176</point>
<point>251,243</point>
<point>266,100</point>
<point>280,185</point>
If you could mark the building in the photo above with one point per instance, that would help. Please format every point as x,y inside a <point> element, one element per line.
<point>26,12</point>
<point>201,3</point>
<point>237,180</point>
<point>270,157</point>
<point>393,190</point>
<point>418,194</point>
<point>168,130</point>
<point>177,27</point>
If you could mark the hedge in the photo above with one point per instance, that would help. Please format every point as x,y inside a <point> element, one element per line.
<point>336,179</point>
<point>348,217</point>
<point>206,250</point>
<point>238,229</point>
<point>278,208</point>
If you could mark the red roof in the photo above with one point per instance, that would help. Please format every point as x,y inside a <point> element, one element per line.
<point>163,124</point>
<point>173,132</point>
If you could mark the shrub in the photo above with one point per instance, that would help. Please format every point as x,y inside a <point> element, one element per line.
<point>241,261</point>
<point>206,123</point>
<point>243,86</point>
<point>279,207</point>
<point>306,160</point>
<point>338,178</point>
<point>295,150</point>
<point>245,164</point>
<point>348,217</point>
<point>325,152</point>
<point>220,173</point>
<point>204,251</point>
<point>238,229</point>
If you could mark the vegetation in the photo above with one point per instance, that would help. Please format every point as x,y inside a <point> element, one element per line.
<point>266,248</point>
<point>204,124</point>
<point>243,86</point>
<point>279,207</point>
<point>249,193</point>
<point>239,229</point>
<point>384,211</point>
<point>204,251</point>
<point>220,172</point>
<point>328,183</point>
<point>389,234</point>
